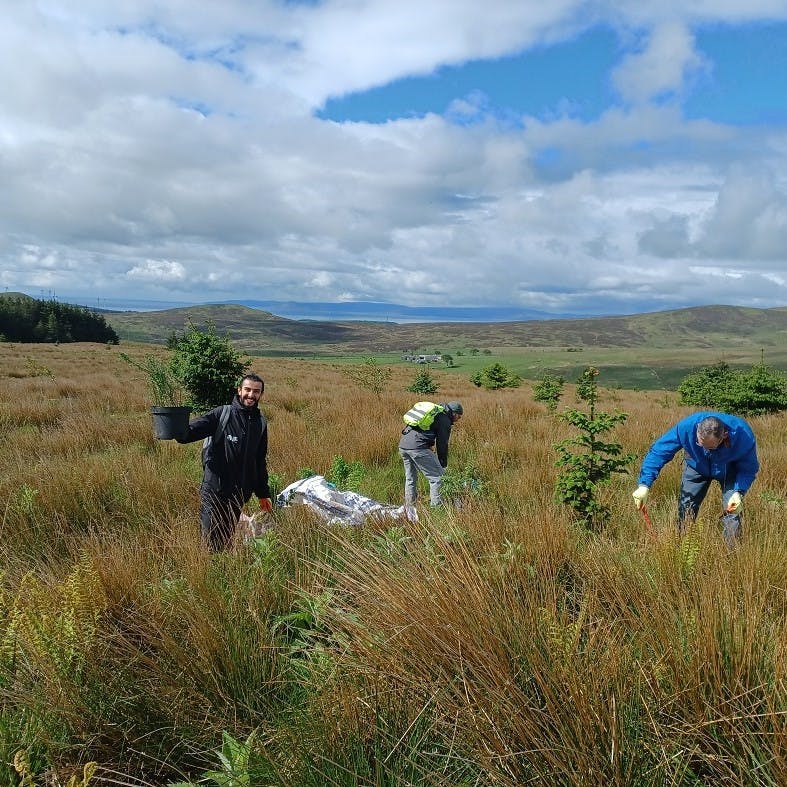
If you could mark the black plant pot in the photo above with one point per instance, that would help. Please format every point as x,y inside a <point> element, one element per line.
<point>170,423</point>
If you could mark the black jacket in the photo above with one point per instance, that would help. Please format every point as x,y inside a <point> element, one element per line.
<point>238,459</point>
<point>436,435</point>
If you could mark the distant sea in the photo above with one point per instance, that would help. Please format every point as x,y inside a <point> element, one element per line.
<point>323,311</point>
<point>124,305</point>
<point>336,312</point>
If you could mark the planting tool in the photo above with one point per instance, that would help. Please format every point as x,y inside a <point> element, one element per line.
<point>648,521</point>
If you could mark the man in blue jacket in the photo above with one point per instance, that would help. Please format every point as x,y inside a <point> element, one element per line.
<point>717,447</point>
<point>235,466</point>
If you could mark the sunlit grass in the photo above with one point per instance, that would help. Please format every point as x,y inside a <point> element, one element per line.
<point>489,644</point>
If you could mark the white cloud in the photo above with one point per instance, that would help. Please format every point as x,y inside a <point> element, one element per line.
<point>157,271</point>
<point>661,67</point>
<point>174,152</point>
<point>320,280</point>
<point>748,219</point>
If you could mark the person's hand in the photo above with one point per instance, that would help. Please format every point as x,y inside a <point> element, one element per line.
<point>734,503</point>
<point>640,495</point>
<point>265,504</point>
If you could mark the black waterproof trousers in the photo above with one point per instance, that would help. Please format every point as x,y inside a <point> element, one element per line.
<point>219,517</point>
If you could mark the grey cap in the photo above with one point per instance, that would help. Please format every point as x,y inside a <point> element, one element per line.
<point>455,407</point>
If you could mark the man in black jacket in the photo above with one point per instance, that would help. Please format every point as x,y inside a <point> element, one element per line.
<point>426,450</point>
<point>235,465</point>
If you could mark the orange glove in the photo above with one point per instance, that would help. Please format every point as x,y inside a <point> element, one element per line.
<point>265,504</point>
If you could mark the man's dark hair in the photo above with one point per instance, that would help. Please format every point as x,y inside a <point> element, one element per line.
<point>255,378</point>
<point>711,426</point>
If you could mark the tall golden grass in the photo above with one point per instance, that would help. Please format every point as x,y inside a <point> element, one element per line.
<point>494,643</point>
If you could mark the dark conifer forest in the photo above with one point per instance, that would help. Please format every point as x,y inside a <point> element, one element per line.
<point>24,319</point>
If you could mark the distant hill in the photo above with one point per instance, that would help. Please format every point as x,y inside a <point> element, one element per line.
<point>16,295</point>
<point>256,331</point>
<point>377,311</point>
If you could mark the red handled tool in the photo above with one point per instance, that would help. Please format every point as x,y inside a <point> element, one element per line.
<point>648,521</point>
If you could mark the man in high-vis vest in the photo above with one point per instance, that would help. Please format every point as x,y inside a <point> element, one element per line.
<point>425,449</point>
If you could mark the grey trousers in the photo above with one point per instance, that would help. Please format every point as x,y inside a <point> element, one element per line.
<point>425,460</point>
<point>693,488</point>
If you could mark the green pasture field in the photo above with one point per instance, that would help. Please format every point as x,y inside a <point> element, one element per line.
<point>630,368</point>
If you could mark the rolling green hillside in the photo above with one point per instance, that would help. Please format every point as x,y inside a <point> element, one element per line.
<point>645,351</point>
<point>720,328</point>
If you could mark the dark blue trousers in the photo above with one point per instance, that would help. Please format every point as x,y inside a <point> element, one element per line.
<point>693,488</point>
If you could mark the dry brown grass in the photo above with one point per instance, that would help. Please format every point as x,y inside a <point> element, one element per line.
<point>494,644</point>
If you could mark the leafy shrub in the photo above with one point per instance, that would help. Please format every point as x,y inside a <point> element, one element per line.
<point>762,389</point>
<point>496,376</point>
<point>346,475</point>
<point>209,366</point>
<point>548,390</point>
<point>423,383</point>
<point>369,375</point>
<point>707,387</point>
<point>462,482</point>
<point>37,369</point>
<point>275,484</point>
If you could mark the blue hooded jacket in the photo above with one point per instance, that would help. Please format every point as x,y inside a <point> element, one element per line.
<point>735,459</point>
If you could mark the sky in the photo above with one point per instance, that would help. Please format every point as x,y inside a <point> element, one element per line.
<point>571,157</point>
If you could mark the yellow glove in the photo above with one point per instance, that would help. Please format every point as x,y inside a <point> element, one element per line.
<point>640,495</point>
<point>735,503</point>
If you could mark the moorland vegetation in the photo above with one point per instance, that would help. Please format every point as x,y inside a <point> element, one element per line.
<point>497,642</point>
<point>725,328</point>
<point>649,351</point>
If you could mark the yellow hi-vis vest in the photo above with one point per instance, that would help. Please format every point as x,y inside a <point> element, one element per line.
<point>421,414</point>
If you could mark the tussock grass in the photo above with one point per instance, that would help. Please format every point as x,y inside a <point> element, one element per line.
<point>488,644</point>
